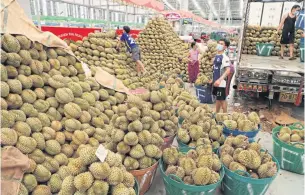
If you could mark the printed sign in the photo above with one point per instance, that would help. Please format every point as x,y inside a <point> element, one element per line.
<point>264,49</point>
<point>74,34</point>
<point>186,21</point>
<point>172,16</point>
<point>101,153</point>
<point>134,33</point>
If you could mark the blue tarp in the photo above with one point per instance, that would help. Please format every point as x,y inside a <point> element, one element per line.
<point>300,21</point>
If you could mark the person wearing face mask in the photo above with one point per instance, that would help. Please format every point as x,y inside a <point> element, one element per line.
<point>221,70</point>
<point>288,30</point>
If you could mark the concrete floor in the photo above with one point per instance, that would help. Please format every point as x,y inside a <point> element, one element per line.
<point>286,183</point>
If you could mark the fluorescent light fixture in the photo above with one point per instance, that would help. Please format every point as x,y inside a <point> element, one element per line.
<point>169,5</point>
<point>199,8</point>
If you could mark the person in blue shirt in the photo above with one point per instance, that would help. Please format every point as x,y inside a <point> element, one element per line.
<point>132,48</point>
<point>221,69</point>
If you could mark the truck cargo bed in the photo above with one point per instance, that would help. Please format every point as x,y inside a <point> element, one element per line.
<point>271,63</point>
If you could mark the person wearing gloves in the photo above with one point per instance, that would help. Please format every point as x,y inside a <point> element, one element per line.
<point>221,70</point>
<point>288,30</point>
<point>132,48</point>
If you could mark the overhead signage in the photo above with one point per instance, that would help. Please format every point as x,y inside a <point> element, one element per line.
<point>172,16</point>
<point>186,21</point>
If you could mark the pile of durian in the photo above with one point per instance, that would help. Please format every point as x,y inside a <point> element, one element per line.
<point>198,126</point>
<point>237,154</point>
<point>239,121</point>
<point>185,98</point>
<point>257,34</point>
<point>202,80</point>
<point>99,50</point>
<point>206,61</point>
<point>55,115</point>
<point>292,136</point>
<point>197,167</point>
<point>172,83</point>
<point>162,49</point>
<point>138,129</point>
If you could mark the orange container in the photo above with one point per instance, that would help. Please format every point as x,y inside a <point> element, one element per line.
<point>167,142</point>
<point>145,177</point>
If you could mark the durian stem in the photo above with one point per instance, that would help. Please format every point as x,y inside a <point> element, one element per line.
<point>259,139</point>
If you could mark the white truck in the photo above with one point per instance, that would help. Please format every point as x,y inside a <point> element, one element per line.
<point>278,79</point>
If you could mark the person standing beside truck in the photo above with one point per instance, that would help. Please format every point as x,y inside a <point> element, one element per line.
<point>221,70</point>
<point>133,48</point>
<point>288,30</point>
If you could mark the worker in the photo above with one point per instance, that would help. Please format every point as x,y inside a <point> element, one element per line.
<point>193,65</point>
<point>133,48</point>
<point>221,70</point>
<point>288,30</point>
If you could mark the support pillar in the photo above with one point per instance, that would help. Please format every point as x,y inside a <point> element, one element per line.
<point>184,5</point>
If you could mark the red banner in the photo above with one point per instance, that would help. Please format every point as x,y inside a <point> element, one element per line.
<point>74,34</point>
<point>134,33</point>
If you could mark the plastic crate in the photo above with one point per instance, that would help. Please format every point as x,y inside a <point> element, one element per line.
<point>204,94</point>
<point>264,49</point>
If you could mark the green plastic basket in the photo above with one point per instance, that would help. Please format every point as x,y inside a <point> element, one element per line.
<point>264,49</point>
<point>235,184</point>
<point>295,126</point>
<point>185,148</point>
<point>180,120</point>
<point>289,157</point>
<point>174,187</point>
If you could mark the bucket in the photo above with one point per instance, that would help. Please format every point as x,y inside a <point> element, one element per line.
<point>185,148</point>
<point>136,187</point>
<point>174,187</point>
<point>167,142</point>
<point>235,184</point>
<point>145,177</point>
<point>204,94</point>
<point>250,134</point>
<point>264,49</point>
<point>180,120</point>
<point>289,157</point>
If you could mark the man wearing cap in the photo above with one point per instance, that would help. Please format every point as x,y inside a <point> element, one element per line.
<point>133,48</point>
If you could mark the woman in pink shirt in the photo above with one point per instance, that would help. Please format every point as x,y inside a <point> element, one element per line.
<point>193,66</point>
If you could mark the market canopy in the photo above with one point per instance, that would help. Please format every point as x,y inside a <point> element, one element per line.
<point>153,4</point>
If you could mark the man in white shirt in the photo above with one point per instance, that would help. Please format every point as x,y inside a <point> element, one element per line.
<point>221,70</point>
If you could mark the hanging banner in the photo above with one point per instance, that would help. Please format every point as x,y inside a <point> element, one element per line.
<point>172,16</point>
<point>74,34</point>
<point>186,21</point>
